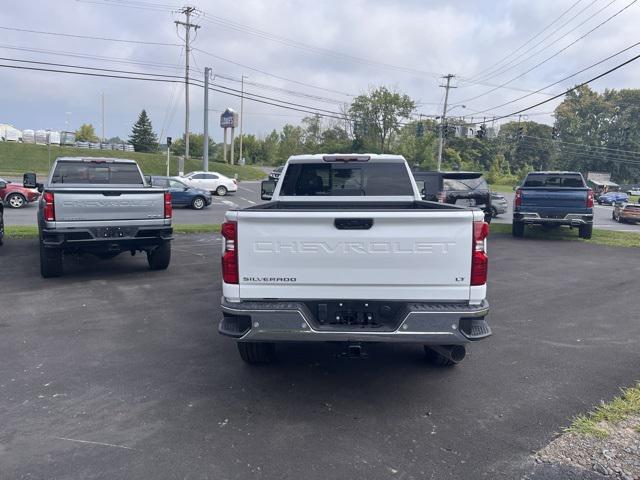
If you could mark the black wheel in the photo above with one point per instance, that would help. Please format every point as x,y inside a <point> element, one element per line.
<point>221,191</point>
<point>160,257</point>
<point>198,203</point>
<point>15,200</point>
<point>1,226</point>
<point>50,262</point>
<point>256,353</point>
<point>585,231</point>
<point>436,359</point>
<point>517,229</point>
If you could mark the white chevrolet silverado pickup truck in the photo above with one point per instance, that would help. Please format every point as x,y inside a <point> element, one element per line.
<point>347,251</point>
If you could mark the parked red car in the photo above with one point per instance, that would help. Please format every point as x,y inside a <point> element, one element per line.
<point>15,195</point>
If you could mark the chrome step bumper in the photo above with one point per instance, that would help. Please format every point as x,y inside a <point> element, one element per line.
<point>425,323</point>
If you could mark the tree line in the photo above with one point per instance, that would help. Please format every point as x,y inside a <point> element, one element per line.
<point>592,132</point>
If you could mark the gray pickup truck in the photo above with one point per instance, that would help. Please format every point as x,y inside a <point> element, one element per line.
<point>101,206</point>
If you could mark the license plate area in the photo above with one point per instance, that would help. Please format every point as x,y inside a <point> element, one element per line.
<point>357,315</point>
<point>114,232</point>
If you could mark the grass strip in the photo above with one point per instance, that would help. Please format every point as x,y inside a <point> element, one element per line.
<point>620,408</point>
<point>609,238</point>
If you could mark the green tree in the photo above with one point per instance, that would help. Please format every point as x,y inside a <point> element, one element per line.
<point>142,136</point>
<point>291,141</point>
<point>378,115</point>
<point>589,123</point>
<point>196,146</point>
<point>270,149</point>
<point>86,133</point>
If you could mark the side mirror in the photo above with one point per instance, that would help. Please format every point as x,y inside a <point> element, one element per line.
<point>3,185</point>
<point>421,188</point>
<point>267,189</point>
<point>29,180</point>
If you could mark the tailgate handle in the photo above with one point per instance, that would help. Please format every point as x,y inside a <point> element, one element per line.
<point>353,223</point>
<point>111,194</point>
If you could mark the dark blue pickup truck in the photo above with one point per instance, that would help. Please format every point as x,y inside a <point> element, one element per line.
<point>552,199</point>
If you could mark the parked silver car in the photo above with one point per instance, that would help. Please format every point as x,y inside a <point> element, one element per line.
<point>499,204</point>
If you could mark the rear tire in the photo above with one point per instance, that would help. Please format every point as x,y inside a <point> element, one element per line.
<point>517,229</point>
<point>198,203</point>
<point>50,262</point>
<point>257,353</point>
<point>221,191</point>
<point>436,359</point>
<point>585,231</point>
<point>160,257</point>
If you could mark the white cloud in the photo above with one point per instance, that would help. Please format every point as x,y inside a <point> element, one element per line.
<point>460,37</point>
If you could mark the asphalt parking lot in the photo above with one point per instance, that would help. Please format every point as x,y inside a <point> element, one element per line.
<point>248,194</point>
<point>113,371</point>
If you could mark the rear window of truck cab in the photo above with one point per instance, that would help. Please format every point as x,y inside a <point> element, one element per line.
<point>567,180</point>
<point>346,179</point>
<point>101,173</point>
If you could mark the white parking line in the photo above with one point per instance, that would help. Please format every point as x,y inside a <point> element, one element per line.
<point>229,203</point>
<point>247,200</point>
<point>247,189</point>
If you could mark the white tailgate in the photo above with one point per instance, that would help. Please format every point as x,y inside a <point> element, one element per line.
<point>405,255</point>
<point>96,206</point>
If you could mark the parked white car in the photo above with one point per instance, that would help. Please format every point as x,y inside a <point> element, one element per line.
<point>634,191</point>
<point>213,182</point>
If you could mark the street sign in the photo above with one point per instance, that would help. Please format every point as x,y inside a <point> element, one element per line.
<point>228,119</point>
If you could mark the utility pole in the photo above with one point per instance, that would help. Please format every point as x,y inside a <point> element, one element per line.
<point>103,137</point>
<point>241,114</point>
<point>187,11</point>
<point>205,146</point>
<point>444,117</point>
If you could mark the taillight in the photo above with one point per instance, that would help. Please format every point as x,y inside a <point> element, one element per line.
<point>49,207</point>
<point>479,258</point>
<point>229,253</point>
<point>441,197</point>
<point>168,209</point>
<point>518,199</point>
<point>590,198</point>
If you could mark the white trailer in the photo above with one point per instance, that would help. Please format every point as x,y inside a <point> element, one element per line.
<point>28,136</point>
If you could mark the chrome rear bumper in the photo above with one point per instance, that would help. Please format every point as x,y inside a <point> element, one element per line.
<point>573,219</point>
<point>425,323</point>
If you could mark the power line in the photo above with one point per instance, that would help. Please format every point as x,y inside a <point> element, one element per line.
<point>563,79</point>
<point>614,150</point>
<point>490,67</point>
<point>248,96</point>
<point>509,64</point>
<point>121,40</point>
<point>247,29</point>
<point>88,37</point>
<point>552,56</point>
<point>271,74</point>
<point>594,156</point>
<point>611,70</point>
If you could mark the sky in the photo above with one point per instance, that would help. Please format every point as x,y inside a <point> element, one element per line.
<point>317,55</point>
